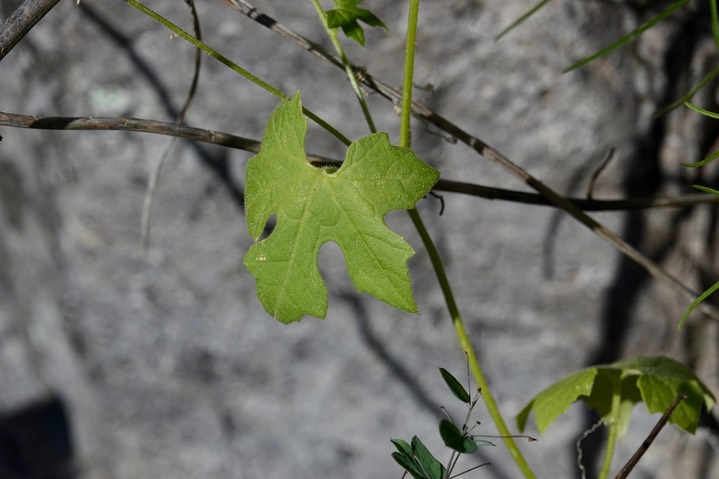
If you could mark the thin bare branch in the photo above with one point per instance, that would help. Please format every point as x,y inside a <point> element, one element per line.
<point>269,22</point>
<point>128,124</point>
<point>197,65</point>
<point>492,193</point>
<point>21,21</point>
<point>154,176</point>
<point>556,199</point>
<point>598,171</point>
<point>247,144</point>
<point>627,469</point>
<point>479,146</point>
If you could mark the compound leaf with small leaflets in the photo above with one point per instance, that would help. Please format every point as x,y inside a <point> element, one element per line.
<point>315,205</point>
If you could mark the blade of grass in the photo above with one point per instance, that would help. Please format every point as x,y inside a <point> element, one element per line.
<point>713,156</point>
<point>706,189</point>
<point>697,301</point>
<point>630,36</point>
<point>702,83</point>
<point>703,162</point>
<point>701,110</point>
<point>521,19</point>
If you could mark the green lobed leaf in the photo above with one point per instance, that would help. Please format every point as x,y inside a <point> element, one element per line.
<point>455,439</point>
<point>661,380</point>
<point>455,386</point>
<point>603,390</point>
<point>316,205</point>
<point>554,401</point>
<point>656,381</point>
<point>347,15</point>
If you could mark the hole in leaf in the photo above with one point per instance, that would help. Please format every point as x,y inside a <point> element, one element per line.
<point>269,227</point>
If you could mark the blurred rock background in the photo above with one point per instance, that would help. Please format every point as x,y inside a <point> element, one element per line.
<point>115,363</point>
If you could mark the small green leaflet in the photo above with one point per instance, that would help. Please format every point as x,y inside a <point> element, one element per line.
<point>346,16</point>
<point>455,386</point>
<point>656,381</point>
<point>316,205</point>
<point>417,460</point>
<point>458,440</point>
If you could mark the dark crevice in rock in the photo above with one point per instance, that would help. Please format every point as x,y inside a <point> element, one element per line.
<point>36,442</point>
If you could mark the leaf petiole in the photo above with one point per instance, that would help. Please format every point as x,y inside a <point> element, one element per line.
<point>613,422</point>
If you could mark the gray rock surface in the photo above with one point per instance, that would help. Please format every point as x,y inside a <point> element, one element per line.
<point>168,364</point>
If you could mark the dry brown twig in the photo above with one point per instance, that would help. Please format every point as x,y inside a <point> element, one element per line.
<point>634,460</point>
<point>21,22</point>
<point>237,142</point>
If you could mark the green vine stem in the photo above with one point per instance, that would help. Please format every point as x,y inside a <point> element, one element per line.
<point>438,266</point>
<point>332,34</point>
<point>463,338</point>
<point>405,140</point>
<point>405,132</point>
<point>466,345</point>
<point>232,65</point>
